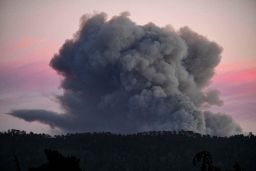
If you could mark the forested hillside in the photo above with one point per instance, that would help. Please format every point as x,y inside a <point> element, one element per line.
<point>149,151</point>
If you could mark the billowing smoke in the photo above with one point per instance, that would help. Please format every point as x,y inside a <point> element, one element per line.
<point>123,77</point>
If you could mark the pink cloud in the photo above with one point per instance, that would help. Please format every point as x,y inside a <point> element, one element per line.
<point>29,70</point>
<point>18,45</point>
<point>236,76</point>
<point>27,80</point>
<point>236,83</point>
<point>238,91</point>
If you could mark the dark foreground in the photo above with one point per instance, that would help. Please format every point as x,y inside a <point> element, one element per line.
<point>151,151</point>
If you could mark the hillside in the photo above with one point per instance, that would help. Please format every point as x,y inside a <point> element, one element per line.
<point>156,151</point>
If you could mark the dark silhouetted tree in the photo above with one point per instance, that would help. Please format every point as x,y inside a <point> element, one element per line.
<point>206,159</point>
<point>58,162</point>
<point>17,163</point>
<point>236,167</point>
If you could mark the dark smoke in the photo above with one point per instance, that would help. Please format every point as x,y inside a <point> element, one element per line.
<point>124,77</point>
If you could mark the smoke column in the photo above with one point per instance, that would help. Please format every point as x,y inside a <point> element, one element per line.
<point>124,78</point>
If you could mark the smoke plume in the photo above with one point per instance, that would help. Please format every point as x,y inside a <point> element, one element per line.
<point>123,77</point>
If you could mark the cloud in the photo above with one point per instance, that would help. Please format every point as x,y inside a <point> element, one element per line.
<point>124,77</point>
<point>43,116</point>
<point>216,121</point>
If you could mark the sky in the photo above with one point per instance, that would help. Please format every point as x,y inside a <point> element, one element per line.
<point>32,31</point>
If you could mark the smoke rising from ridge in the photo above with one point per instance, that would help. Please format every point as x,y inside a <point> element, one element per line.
<point>124,77</point>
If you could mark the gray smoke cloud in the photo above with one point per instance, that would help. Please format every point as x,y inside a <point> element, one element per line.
<point>123,77</point>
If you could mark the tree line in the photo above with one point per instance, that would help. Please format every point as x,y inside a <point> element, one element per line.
<point>149,151</point>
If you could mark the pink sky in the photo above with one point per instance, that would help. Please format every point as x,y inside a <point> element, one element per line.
<point>32,31</point>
